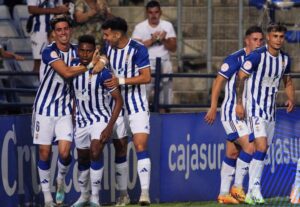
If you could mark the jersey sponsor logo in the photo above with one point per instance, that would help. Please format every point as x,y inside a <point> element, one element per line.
<point>224,67</point>
<point>54,54</point>
<point>247,65</point>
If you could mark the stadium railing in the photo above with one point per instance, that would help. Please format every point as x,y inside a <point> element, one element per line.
<point>157,75</point>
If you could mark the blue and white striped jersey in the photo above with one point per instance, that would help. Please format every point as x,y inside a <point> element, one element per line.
<point>229,69</point>
<point>266,72</point>
<point>92,97</point>
<point>42,22</point>
<point>127,62</point>
<point>53,97</point>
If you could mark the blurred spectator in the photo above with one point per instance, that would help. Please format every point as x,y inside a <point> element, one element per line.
<point>12,3</point>
<point>160,38</point>
<point>89,16</point>
<point>42,11</point>
<point>7,54</point>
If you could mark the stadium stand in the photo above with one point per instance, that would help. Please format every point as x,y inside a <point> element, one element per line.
<point>20,15</point>
<point>194,27</point>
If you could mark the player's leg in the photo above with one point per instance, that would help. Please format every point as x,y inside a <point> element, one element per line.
<point>121,167</point>
<point>295,193</point>
<point>96,169</point>
<point>120,142</point>
<point>263,132</point>
<point>140,127</point>
<point>64,134</point>
<point>43,132</point>
<point>227,173</point>
<point>243,161</point>
<point>143,166</point>
<point>82,143</point>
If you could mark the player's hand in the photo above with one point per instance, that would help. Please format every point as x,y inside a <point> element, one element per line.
<point>210,116</point>
<point>106,134</point>
<point>100,64</point>
<point>290,105</point>
<point>112,83</point>
<point>95,60</point>
<point>240,111</point>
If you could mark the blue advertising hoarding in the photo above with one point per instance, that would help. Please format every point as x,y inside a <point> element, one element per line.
<point>186,156</point>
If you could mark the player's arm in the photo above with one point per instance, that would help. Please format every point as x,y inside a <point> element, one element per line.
<point>70,71</point>
<point>218,85</point>
<point>290,92</point>
<point>118,104</point>
<point>144,77</point>
<point>240,85</point>
<point>67,71</point>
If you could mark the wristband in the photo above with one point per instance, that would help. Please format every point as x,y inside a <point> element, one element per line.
<point>121,81</point>
<point>90,66</point>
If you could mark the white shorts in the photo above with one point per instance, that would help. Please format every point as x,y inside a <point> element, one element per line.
<point>235,129</point>
<point>262,128</point>
<point>84,135</point>
<point>46,128</point>
<point>134,123</point>
<point>38,43</point>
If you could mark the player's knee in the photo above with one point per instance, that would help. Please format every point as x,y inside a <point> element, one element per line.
<point>249,149</point>
<point>121,151</point>
<point>64,154</point>
<point>95,155</point>
<point>140,147</point>
<point>232,155</point>
<point>44,155</point>
<point>83,160</point>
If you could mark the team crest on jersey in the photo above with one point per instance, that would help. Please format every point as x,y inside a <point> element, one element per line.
<point>224,67</point>
<point>247,65</point>
<point>54,54</point>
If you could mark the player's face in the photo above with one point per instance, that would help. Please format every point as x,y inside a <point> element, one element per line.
<point>62,32</point>
<point>275,40</point>
<point>85,53</point>
<point>254,40</point>
<point>112,37</point>
<point>153,15</point>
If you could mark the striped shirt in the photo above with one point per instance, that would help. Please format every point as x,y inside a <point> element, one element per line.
<point>266,72</point>
<point>92,97</point>
<point>126,63</point>
<point>42,22</point>
<point>229,69</point>
<point>53,97</point>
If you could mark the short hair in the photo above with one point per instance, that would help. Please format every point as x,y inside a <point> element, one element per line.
<point>152,4</point>
<point>253,29</point>
<point>115,23</point>
<point>87,39</point>
<point>276,27</point>
<point>61,18</point>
